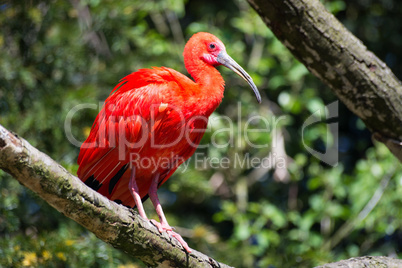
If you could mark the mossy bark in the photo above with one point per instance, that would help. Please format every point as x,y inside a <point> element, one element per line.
<point>360,80</point>
<point>365,262</point>
<point>117,225</point>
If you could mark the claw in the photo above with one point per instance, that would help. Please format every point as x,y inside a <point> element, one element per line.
<point>169,230</point>
<point>163,225</point>
<point>161,228</point>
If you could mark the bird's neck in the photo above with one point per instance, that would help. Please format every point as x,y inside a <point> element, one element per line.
<point>210,85</point>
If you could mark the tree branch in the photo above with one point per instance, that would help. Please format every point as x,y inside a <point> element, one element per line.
<point>117,225</point>
<point>365,262</point>
<point>333,54</point>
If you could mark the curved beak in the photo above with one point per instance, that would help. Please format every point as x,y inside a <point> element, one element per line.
<point>224,59</point>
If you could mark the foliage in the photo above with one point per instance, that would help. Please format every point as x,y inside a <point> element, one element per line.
<point>57,55</point>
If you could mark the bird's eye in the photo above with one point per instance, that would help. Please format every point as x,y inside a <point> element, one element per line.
<point>212,46</point>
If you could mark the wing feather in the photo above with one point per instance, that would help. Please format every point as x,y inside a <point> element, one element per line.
<point>138,108</point>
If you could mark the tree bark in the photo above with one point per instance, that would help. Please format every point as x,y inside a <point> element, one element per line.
<point>365,262</point>
<point>117,225</point>
<point>338,58</point>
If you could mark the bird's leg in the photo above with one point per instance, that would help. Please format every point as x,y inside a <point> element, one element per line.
<point>136,194</point>
<point>153,195</point>
<point>163,225</point>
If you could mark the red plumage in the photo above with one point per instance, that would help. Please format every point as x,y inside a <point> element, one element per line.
<point>152,103</point>
<point>152,122</point>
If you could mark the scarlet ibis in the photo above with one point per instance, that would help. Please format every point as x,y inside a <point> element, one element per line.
<point>152,122</point>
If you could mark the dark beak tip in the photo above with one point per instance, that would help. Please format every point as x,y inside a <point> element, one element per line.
<point>224,59</point>
<point>258,97</point>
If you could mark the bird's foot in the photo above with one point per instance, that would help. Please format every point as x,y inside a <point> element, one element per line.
<point>169,230</point>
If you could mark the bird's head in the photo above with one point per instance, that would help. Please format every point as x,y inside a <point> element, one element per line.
<point>212,51</point>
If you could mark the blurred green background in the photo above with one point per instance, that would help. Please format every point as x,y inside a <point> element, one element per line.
<point>55,55</point>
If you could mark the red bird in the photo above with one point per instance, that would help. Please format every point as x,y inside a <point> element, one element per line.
<point>151,123</point>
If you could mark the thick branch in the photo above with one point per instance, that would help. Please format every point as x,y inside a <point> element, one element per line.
<point>333,54</point>
<point>365,262</point>
<point>115,224</point>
